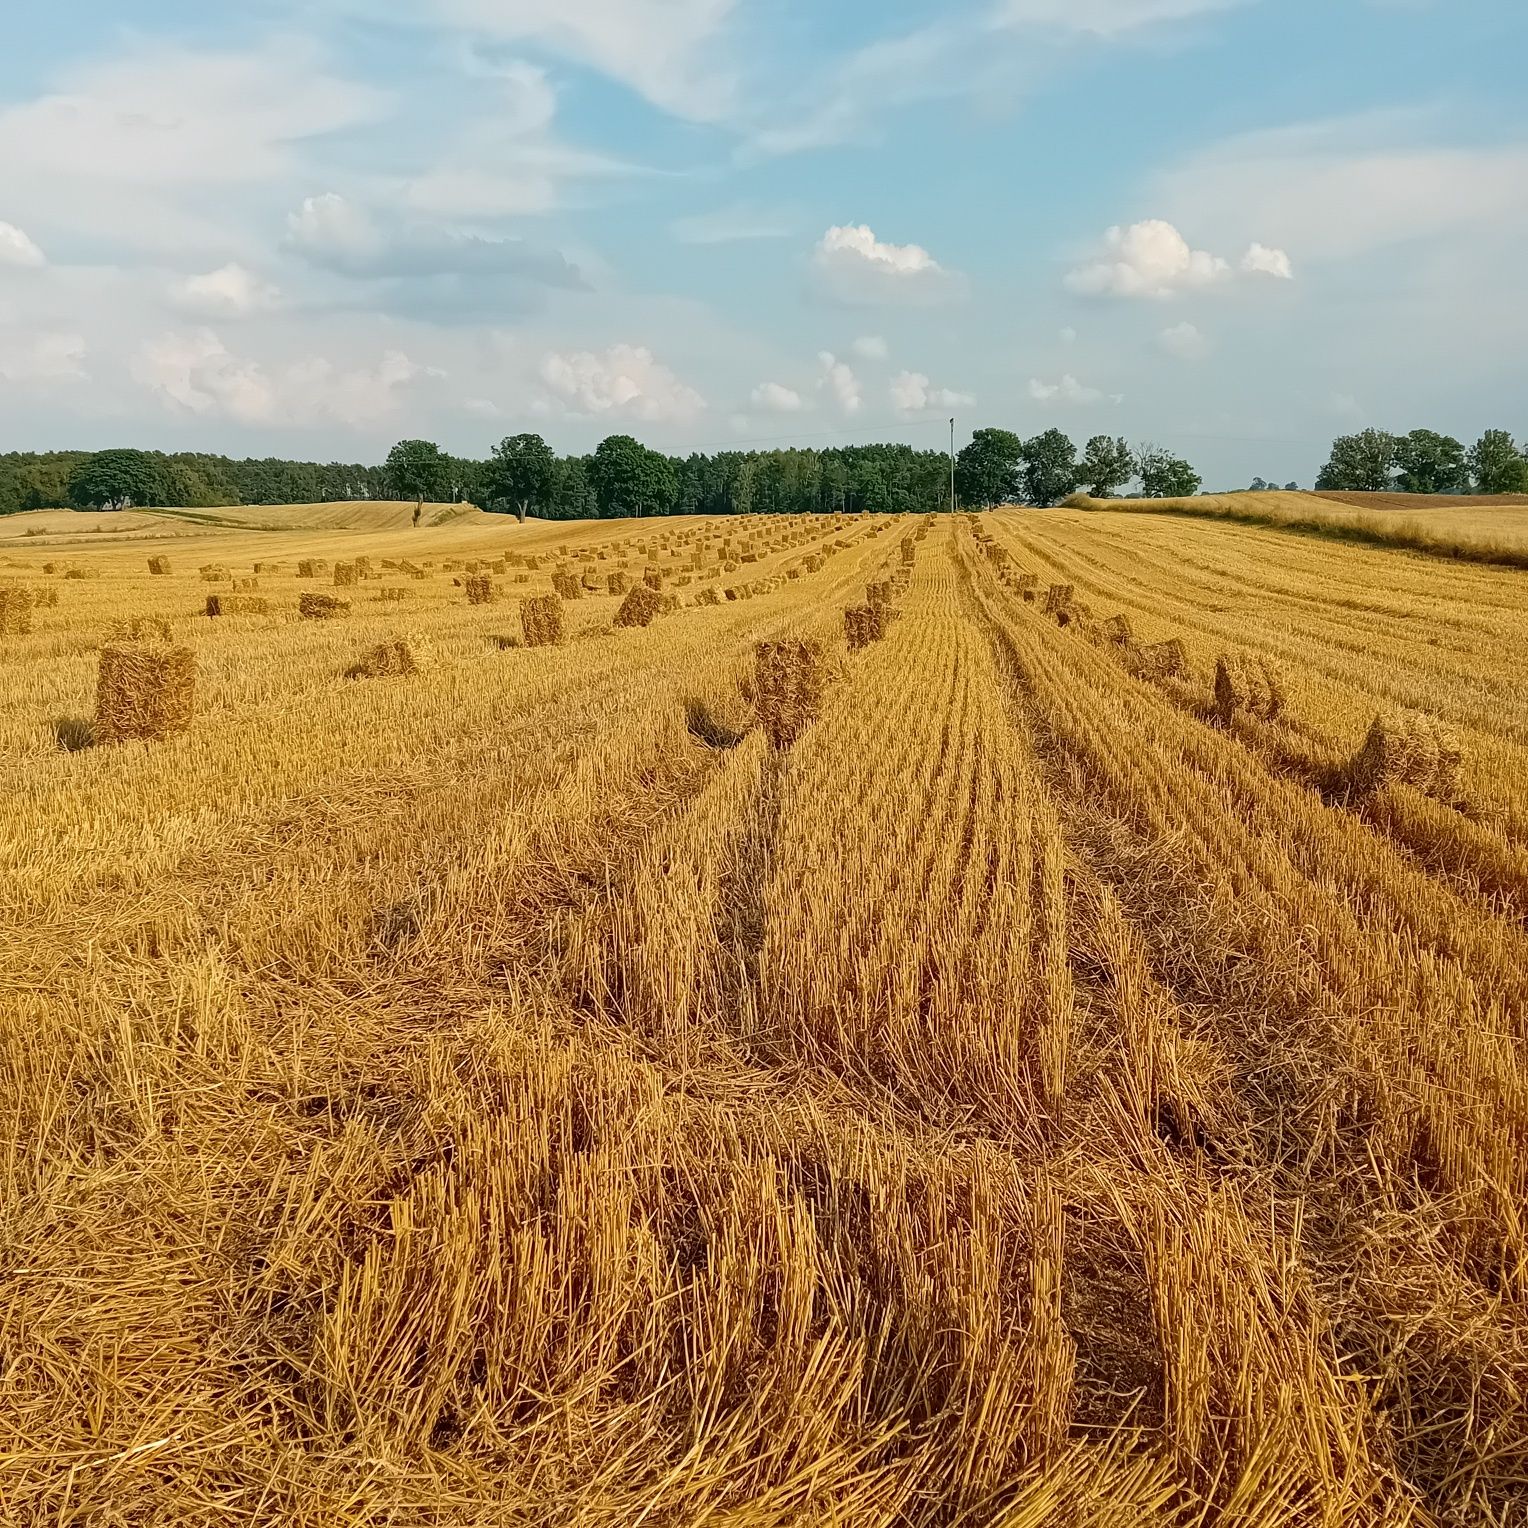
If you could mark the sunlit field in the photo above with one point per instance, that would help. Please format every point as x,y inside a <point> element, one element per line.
<point>1058,1062</point>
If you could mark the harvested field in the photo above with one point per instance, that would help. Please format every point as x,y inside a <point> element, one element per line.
<point>1023,1074</point>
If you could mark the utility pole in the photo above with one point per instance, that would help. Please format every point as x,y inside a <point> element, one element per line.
<point>952,466</point>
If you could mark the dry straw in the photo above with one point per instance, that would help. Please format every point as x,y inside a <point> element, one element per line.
<point>1160,660</point>
<point>1117,629</point>
<point>878,593</point>
<point>397,657</point>
<point>566,586</point>
<point>640,607</point>
<point>617,583</point>
<point>541,620</point>
<point>145,686</point>
<point>159,565</point>
<point>392,595</point>
<point>1253,685</point>
<point>345,575</point>
<point>1408,748</point>
<point>237,604</point>
<point>864,624</point>
<point>788,685</point>
<point>15,611</point>
<point>480,589</point>
<point>321,607</point>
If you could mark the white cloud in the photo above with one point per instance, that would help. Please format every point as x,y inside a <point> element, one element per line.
<point>1150,259</point>
<point>1068,335</point>
<point>1070,390</point>
<point>853,266</point>
<point>1340,188</point>
<point>42,358</point>
<point>871,347</point>
<point>838,379</point>
<point>137,148</point>
<point>911,393</point>
<point>230,291</point>
<point>668,51</point>
<point>1183,342</point>
<point>624,380</point>
<point>17,248</point>
<point>776,398</point>
<point>336,234</point>
<point>1153,260</point>
<point>198,374</point>
<point>1262,261</point>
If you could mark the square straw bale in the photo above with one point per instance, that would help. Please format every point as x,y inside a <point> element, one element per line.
<point>541,620</point>
<point>145,689</point>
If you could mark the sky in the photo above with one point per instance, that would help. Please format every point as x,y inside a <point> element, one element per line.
<point>309,227</point>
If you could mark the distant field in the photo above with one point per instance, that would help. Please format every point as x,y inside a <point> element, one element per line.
<point>359,516</point>
<point>1074,1072</point>
<point>1470,529</point>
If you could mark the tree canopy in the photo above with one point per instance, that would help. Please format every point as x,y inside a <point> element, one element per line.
<point>521,470</point>
<point>417,469</point>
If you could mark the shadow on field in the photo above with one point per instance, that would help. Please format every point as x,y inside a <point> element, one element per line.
<point>706,727</point>
<point>73,733</point>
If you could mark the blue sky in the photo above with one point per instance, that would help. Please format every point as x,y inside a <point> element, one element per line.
<point>1236,227</point>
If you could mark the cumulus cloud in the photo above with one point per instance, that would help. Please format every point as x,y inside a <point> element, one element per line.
<point>852,266</point>
<point>198,374</point>
<point>1183,342</point>
<point>43,358</point>
<point>624,380</point>
<point>871,347</point>
<point>912,393</point>
<point>230,291</point>
<point>776,398</point>
<point>839,380</point>
<point>1070,390</point>
<point>17,248</point>
<point>1153,260</point>
<point>336,234</point>
<point>1262,261</point>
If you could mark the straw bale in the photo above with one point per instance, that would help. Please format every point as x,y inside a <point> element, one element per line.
<point>391,594</point>
<point>321,607</point>
<point>159,565</point>
<point>345,575</point>
<point>652,577</point>
<point>1408,748</point>
<point>1058,597</point>
<point>878,593</point>
<point>237,604</point>
<point>1160,660</point>
<point>541,620</point>
<point>788,685</point>
<point>16,603</point>
<point>391,659</point>
<point>145,689</point>
<point>1256,685</point>
<point>481,589</point>
<point>640,606</point>
<point>707,596</point>
<point>566,586</point>
<point>1117,629</point>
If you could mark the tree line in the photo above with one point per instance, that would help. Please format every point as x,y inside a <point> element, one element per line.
<point>622,477</point>
<point>1423,461</point>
